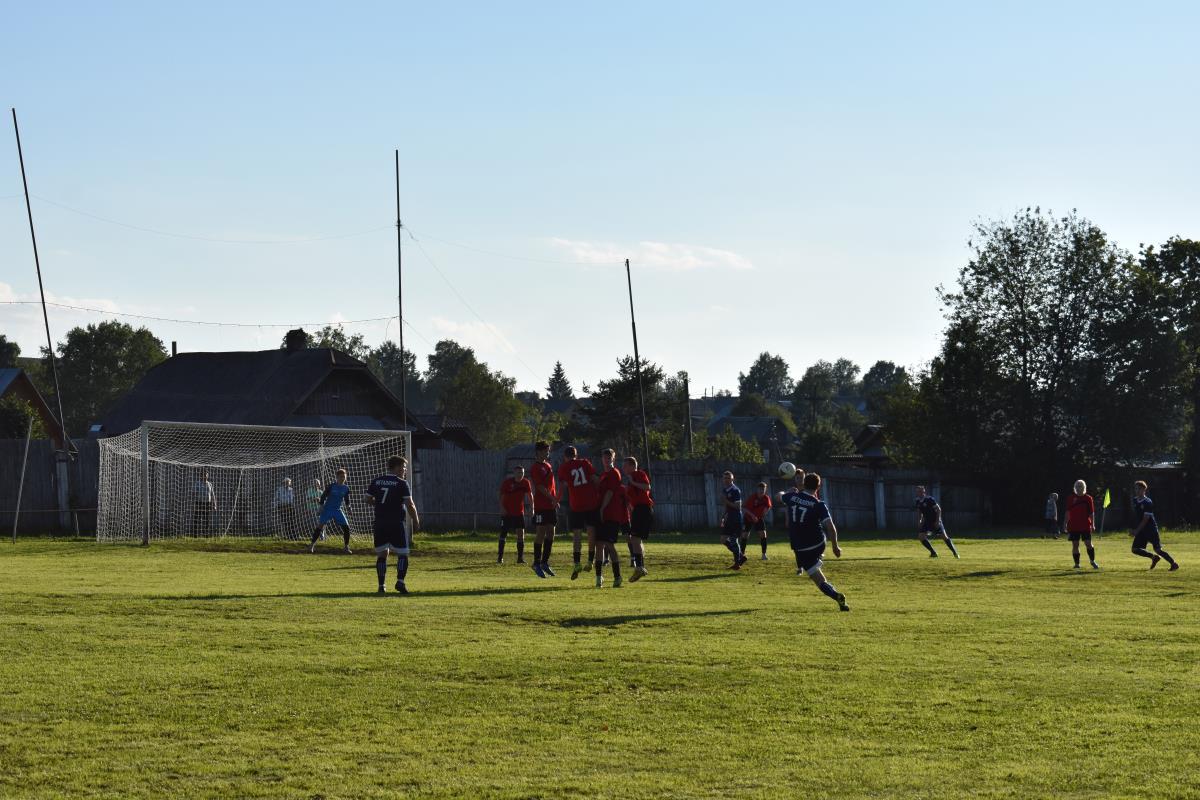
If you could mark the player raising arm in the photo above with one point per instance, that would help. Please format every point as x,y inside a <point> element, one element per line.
<point>335,496</point>
<point>390,496</point>
<point>809,522</point>
<point>1146,531</point>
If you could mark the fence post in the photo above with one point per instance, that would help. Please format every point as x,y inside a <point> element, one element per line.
<point>880,503</point>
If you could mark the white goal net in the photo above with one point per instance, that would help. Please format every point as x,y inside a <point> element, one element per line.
<point>172,479</point>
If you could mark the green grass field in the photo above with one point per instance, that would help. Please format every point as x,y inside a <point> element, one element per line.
<point>249,670</point>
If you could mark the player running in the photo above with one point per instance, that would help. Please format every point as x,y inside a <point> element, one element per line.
<point>392,500</point>
<point>514,492</point>
<point>545,509</point>
<point>614,518</point>
<point>1080,522</point>
<point>809,521</point>
<point>641,519</point>
<point>731,519</point>
<point>578,477</point>
<point>929,520</point>
<point>333,498</point>
<point>1146,531</point>
<point>754,512</point>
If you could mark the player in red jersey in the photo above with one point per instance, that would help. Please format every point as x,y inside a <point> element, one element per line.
<point>641,515</point>
<point>514,492</point>
<point>754,512</point>
<point>545,509</point>
<point>614,517</point>
<point>578,477</point>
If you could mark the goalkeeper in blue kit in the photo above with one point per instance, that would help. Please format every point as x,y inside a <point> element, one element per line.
<point>333,498</point>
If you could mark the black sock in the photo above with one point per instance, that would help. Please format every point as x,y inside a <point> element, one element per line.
<point>732,545</point>
<point>950,544</point>
<point>316,535</point>
<point>928,546</point>
<point>346,535</point>
<point>500,554</point>
<point>616,562</point>
<point>796,553</point>
<point>537,552</point>
<point>1092,554</point>
<point>1075,555</point>
<point>591,553</point>
<point>401,568</point>
<point>763,542</point>
<point>381,569</point>
<point>1165,556</point>
<point>521,548</point>
<point>546,549</point>
<point>577,555</point>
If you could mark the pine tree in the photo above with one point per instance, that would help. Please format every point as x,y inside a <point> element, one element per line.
<point>559,388</point>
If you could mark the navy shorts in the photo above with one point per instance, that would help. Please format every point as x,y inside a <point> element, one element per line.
<point>732,524</point>
<point>939,528</point>
<point>392,538</point>
<point>1147,536</point>
<point>641,522</point>
<point>810,560</point>
<point>512,522</point>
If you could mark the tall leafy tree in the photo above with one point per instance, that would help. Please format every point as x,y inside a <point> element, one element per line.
<point>386,362</point>
<point>877,383</point>
<point>614,417</point>
<point>335,336</point>
<point>9,352</point>
<point>768,376</point>
<point>15,413</point>
<point>812,398</point>
<point>444,363</point>
<point>559,388</point>
<point>484,400</point>
<point>99,364</point>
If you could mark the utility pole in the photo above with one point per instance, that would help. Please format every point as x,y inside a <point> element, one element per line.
<point>637,362</point>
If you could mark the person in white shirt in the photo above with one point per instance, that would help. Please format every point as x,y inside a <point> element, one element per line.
<point>204,503</point>
<point>284,509</point>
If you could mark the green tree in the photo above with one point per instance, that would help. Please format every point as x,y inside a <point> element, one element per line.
<point>877,383</point>
<point>559,388</point>
<point>444,363</point>
<point>99,364</point>
<point>614,417</point>
<point>485,402</point>
<point>726,446</point>
<point>812,398</point>
<point>768,376</point>
<point>822,441</point>
<point>385,362</point>
<point>9,352</point>
<point>755,405</point>
<point>845,378</point>
<point>335,336</point>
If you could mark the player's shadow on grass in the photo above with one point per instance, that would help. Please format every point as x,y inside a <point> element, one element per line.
<point>986,573</point>
<point>711,576</point>
<point>612,622</point>
<point>498,590</point>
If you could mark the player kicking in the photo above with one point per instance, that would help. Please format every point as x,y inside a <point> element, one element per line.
<point>545,509</point>
<point>392,499</point>
<point>614,518</point>
<point>809,522</point>
<point>755,512</point>
<point>333,498</point>
<point>1080,522</point>
<point>578,478</point>
<point>1146,531</point>
<point>514,492</point>
<point>641,517</point>
<point>929,520</point>
<point>731,519</point>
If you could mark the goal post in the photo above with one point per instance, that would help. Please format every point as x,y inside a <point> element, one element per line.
<point>178,479</point>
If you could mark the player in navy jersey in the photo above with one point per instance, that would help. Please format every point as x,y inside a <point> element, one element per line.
<point>731,519</point>
<point>929,520</point>
<point>809,522</point>
<point>332,499</point>
<point>1146,531</point>
<point>392,500</point>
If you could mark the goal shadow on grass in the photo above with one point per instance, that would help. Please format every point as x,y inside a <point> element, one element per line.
<point>612,622</point>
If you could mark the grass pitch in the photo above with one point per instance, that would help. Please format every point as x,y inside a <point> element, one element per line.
<point>249,670</point>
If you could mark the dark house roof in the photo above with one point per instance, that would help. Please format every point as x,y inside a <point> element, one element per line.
<point>318,387</point>
<point>15,383</point>
<point>450,430</point>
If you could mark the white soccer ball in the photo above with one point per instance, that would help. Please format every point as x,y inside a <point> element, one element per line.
<point>787,470</point>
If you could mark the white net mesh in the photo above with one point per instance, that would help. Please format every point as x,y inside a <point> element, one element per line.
<point>175,479</point>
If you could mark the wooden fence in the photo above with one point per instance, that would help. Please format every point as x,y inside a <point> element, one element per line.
<point>457,489</point>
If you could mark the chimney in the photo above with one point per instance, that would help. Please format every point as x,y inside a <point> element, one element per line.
<point>174,349</point>
<point>296,340</point>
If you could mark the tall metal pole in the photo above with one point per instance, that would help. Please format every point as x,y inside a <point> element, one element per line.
<point>637,361</point>
<point>400,300</point>
<point>62,420</point>
<point>687,416</point>
<point>21,483</point>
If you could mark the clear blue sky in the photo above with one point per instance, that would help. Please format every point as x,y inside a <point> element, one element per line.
<point>786,177</point>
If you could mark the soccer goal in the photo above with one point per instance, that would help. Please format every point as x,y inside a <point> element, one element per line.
<point>173,479</point>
